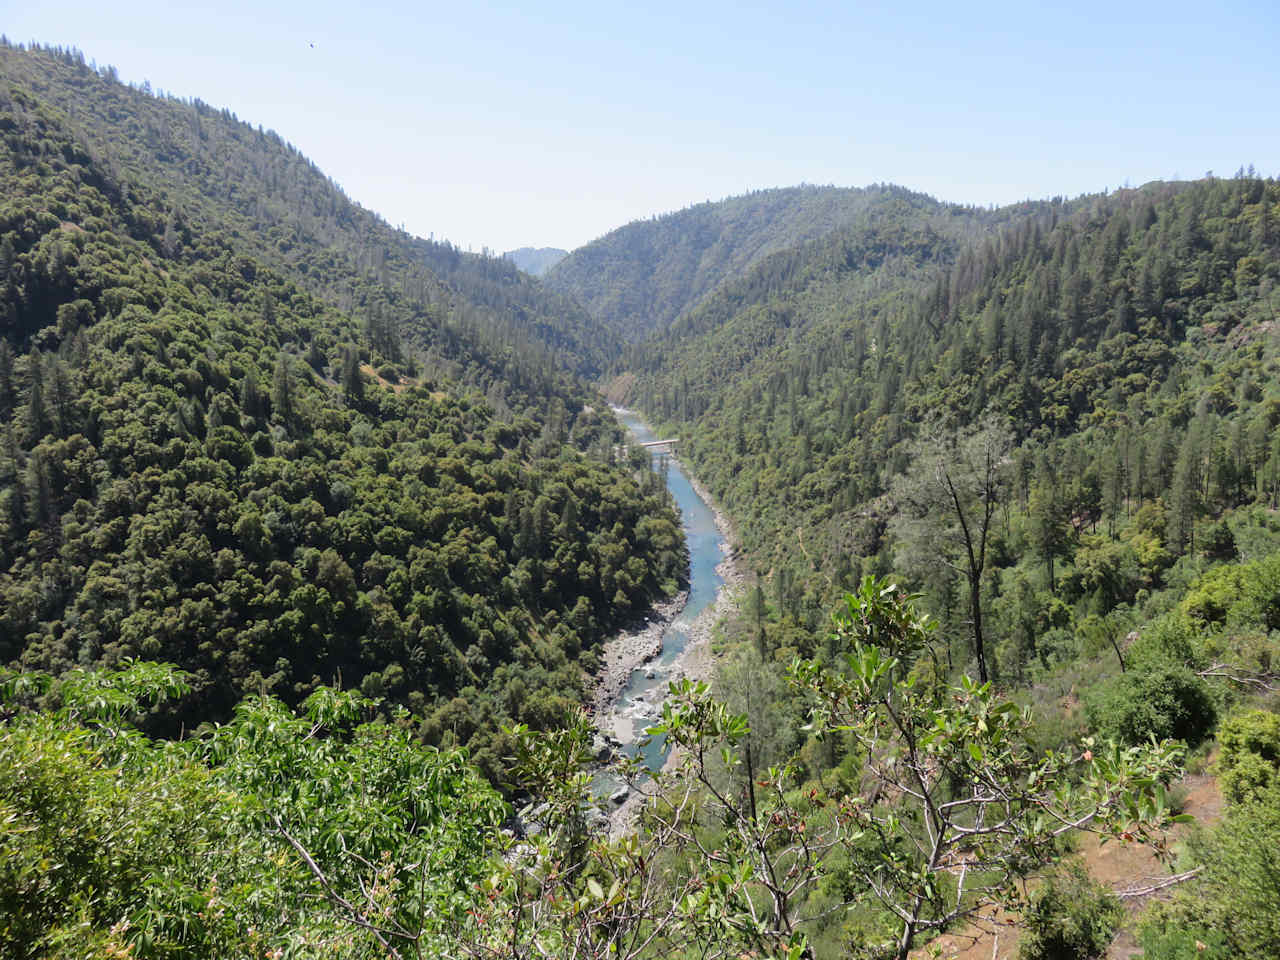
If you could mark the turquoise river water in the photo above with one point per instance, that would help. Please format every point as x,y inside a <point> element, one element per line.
<point>707,548</point>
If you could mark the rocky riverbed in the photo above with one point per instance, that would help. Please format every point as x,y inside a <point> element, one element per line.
<point>632,649</point>
<point>616,713</point>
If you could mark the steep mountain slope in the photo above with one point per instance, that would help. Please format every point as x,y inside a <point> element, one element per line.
<point>203,462</point>
<point>207,458</point>
<point>639,278</point>
<point>1129,340</point>
<point>895,245</point>
<point>536,261</point>
<point>219,174</point>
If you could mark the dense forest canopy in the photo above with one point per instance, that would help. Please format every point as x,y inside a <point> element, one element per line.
<point>1058,421</point>
<point>220,175</point>
<point>1106,330</point>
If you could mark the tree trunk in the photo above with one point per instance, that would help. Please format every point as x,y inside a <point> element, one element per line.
<point>975,608</point>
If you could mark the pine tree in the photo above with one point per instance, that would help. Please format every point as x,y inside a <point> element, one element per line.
<point>37,409</point>
<point>946,503</point>
<point>315,356</point>
<point>1114,480</point>
<point>61,396</point>
<point>1184,500</point>
<point>352,379</point>
<point>10,454</point>
<point>1047,516</point>
<point>282,391</point>
<point>7,391</point>
<point>251,399</point>
<point>39,491</point>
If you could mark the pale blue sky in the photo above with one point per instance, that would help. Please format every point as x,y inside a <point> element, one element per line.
<point>549,124</point>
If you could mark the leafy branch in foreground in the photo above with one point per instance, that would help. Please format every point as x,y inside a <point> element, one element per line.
<point>966,809</point>
<point>318,833</point>
<point>952,811</point>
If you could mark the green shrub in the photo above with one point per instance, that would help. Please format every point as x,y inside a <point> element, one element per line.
<point>1219,543</point>
<point>1215,593</point>
<point>1239,596</point>
<point>1173,638</point>
<point>1250,759</point>
<point>1166,936</point>
<point>1166,703</point>
<point>1233,906</point>
<point>115,845</point>
<point>1071,917</point>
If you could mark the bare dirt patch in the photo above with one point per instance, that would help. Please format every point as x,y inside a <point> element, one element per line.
<point>1120,866</point>
<point>397,386</point>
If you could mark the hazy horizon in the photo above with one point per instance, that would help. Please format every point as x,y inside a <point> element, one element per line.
<point>499,127</point>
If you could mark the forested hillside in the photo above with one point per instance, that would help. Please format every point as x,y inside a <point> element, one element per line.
<point>292,505</point>
<point>220,175</point>
<point>636,280</point>
<point>204,460</point>
<point>1128,340</point>
<point>812,293</point>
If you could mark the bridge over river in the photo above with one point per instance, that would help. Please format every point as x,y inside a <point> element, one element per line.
<point>663,448</point>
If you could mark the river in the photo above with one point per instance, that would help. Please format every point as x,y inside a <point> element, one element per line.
<point>636,706</point>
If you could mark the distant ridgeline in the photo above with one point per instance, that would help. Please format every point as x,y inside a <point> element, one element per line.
<point>247,428</point>
<point>535,261</point>
<point>639,278</point>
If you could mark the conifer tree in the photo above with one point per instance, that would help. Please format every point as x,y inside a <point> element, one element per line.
<point>282,391</point>
<point>315,356</point>
<point>352,379</point>
<point>37,408</point>
<point>946,504</point>
<point>1047,519</point>
<point>7,391</point>
<point>61,396</point>
<point>39,491</point>
<point>251,400</point>
<point>1184,500</point>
